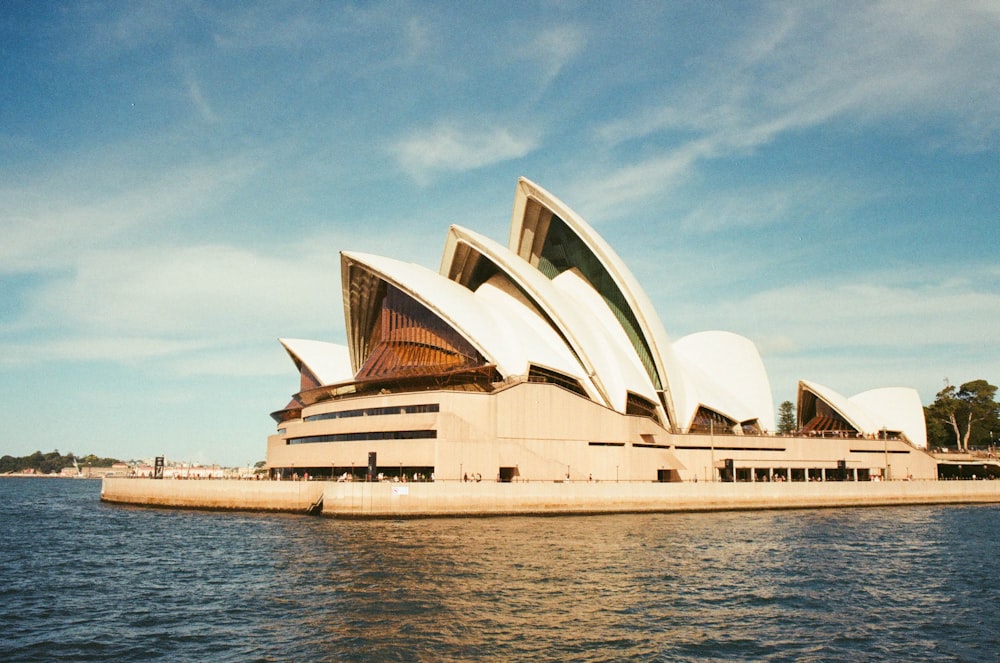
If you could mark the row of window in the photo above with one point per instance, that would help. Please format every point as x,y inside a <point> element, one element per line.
<point>363,437</point>
<point>374,412</point>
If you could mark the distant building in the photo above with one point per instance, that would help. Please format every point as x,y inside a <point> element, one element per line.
<point>545,360</point>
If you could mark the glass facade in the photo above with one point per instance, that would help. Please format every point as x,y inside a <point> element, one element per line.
<point>365,436</point>
<point>374,412</point>
<point>562,250</point>
<point>710,421</point>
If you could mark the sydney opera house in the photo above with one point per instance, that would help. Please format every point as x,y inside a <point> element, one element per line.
<point>544,360</point>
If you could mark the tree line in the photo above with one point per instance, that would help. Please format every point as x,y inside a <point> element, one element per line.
<point>963,417</point>
<point>51,463</point>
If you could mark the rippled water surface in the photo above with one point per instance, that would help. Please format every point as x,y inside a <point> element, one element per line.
<point>81,580</point>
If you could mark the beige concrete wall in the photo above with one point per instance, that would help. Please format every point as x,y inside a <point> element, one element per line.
<point>903,459</point>
<point>449,498</point>
<point>295,496</point>
<point>545,431</point>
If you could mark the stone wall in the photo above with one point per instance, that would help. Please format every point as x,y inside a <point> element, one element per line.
<point>294,496</point>
<point>490,498</point>
<point>449,498</point>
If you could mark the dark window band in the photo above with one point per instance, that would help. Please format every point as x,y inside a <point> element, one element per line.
<point>374,412</point>
<point>370,435</point>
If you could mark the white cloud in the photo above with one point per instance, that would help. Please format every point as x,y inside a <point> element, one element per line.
<point>873,313</point>
<point>87,347</point>
<point>208,291</point>
<point>867,330</point>
<point>799,68</point>
<point>58,215</point>
<point>448,148</point>
<point>129,27</point>
<point>554,48</point>
<point>195,310</point>
<point>199,101</point>
<point>609,195</point>
<point>811,199</point>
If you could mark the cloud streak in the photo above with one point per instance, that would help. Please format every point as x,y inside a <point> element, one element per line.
<point>56,216</point>
<point>805,67</point>
<point>455,147</point>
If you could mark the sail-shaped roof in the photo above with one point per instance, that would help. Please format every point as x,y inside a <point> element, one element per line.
<point>895,409</point>
<point>553,238</point>
<point>493,323</point>
<point>873,413</point>
<point>329,363</point>
<point>559,305</point>
<point>728,376</point>
<point>608,366</point>
<point>854,415</point>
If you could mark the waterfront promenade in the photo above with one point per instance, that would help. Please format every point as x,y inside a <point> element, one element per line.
<point>451,498</point>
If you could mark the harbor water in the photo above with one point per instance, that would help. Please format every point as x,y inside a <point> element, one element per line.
<point>87,581</point>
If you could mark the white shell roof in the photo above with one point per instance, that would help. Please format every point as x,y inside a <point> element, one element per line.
<point>729,375</point>
<point>666,364</point>
<point>607,363</point>
<point>855,414</point>
<point>510,342</point>
<point>619,367</point>
<point>329,362</point>
<point>896,409</point>
<point>519,317</point>
<point>544,348</point>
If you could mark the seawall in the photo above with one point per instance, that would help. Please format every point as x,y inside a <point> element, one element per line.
<point>290,496</point>
<point>394,500</point>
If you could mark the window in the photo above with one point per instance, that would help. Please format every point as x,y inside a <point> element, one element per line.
<point>365,436</point>
<point>374,412</point>
<point>709,421</point>
<point>539,374</point>
<point>639,406</point>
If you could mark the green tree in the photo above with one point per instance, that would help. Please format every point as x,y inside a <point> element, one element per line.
<point>786,418</point>
<point>94,461</point>
<point>49,463</point>
<point>967,414</point>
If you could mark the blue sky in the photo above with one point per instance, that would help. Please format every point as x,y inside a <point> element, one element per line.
<point>177,179</point>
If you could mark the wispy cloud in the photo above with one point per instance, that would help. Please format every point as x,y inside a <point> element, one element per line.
<point>803,67</point>
<point>457,147</point>
<point>109,33</point>
<point>832,329</point>
<point>199,101</point>
<point>214,292</point>
<point>85,348</point>
<point>806,199</point>
<point>553,48</point>
<point>49,220</point>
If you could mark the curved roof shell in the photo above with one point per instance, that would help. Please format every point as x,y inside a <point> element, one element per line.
<point>537,236</point>
<point>895,409</point>
<point>619,368</point>
<point>606,362</point>
<point>329,363</point>
<point>854,414</point>
<point>540,343</point>
<point>560,302</point>
<point>729,375</point>
<point>496,325</point>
